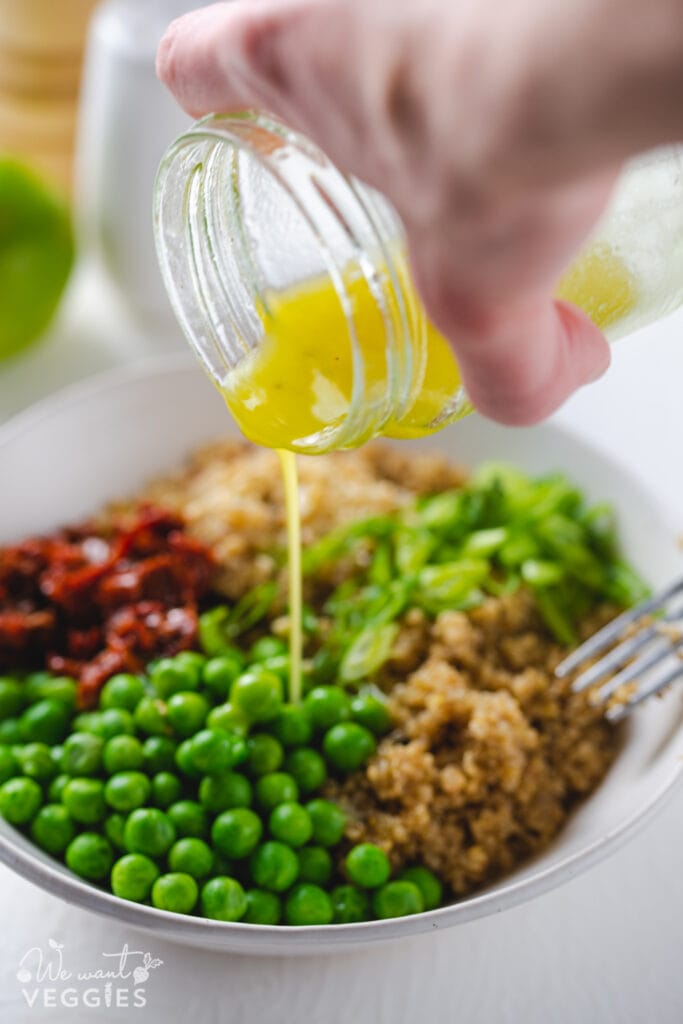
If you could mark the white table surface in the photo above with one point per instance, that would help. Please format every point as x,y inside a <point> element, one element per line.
<point>606,948</point>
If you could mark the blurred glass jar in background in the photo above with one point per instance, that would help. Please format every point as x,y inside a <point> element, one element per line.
<point>127,120</point>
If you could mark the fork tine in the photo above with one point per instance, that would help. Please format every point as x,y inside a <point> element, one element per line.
<point>659,683</point>
<point>609,633</point>
<point>659,652</point>
<point>616,657</point>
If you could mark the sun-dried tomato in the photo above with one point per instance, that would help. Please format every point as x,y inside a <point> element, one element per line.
<point>91,603</point>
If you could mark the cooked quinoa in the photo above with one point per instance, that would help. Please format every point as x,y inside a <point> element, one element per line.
<point>490,752</point>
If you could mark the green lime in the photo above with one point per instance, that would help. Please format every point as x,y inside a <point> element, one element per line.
<point>36,255</point>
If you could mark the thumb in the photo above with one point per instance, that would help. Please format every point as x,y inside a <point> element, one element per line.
<point>231,55</point>
<point>520,363</point>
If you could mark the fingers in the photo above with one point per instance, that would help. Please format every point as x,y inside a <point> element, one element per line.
<point>230,56</point>
<point>522,368</point>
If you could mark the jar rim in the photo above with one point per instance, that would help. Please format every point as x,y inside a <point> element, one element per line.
<point>322,196</point>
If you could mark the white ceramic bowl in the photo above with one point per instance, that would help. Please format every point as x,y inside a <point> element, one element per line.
<point>65,457</point>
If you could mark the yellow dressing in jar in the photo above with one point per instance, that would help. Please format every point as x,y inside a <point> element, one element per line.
<point>301,379</point>
<point>602,286</point>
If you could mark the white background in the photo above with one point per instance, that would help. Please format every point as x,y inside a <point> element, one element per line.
<point>607,948</point>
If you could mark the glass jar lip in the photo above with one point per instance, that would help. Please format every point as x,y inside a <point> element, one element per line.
<point>321,189</point>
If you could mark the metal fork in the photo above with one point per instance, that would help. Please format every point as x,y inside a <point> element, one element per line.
<point>650,656</point>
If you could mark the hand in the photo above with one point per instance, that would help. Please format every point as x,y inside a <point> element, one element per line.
<point>497,130</point>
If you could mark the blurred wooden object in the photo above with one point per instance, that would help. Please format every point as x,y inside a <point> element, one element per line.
<point>41,53</point>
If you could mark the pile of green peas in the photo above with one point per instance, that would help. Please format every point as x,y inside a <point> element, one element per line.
<point>196,788</point>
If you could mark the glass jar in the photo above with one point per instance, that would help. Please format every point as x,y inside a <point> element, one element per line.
<point>290,281</point>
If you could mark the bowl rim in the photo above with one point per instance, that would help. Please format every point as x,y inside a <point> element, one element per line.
<point>273,939</point>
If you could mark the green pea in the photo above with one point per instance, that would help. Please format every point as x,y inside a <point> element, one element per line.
<point>276,788</point>
<point>133,876</point>
<point>329,822</point>
<point>308,768</point>
<point>47,721</point>
<point>33,685</point>
<point>125,791</point>
<point>175,892</point>
<point>308,904</point>
<point>9,766</point>
<point>267,647</point>
<point>291,824</point>
<point>348,746</point>
<point>187,712</point>
<point>62,688</point>
<point>223,792</point>
<point>349,904</point>
<point>122,691</point>
<point>52,828</point>
<point>292,726</point>
<point>258,694</point>
<point>368,866</point>
<point>280,665</point>
<point>87,721</point>
<point>114,826</point>
<point>56,787</point>
<point>148,830</point>
<point>274,866</point>
<point>429,885</point>
<point>194,663</point>
<point>159,754</point>
<point>223,899</point>
<point>184,760</point>
<point>265,754</point>
<point>166,789</point>
<point>220,673</point>
<point>114,722</point>
<point>19,800</point>
<point>236,832</point>
<point>35,760</point>
<point>397,899</point>
<point>151,717</point>
<point>82,754</point>
<point>188,818</point>
<point>84,800</point>
<point>315,865</point>
<point>122,753</point>
<point>326,706</point>
<point>10,732</point>
<point>171,675</point>
<point>213,751</point>
<point>90,856</point>
<point>12,697</point>
<point>262,907</point>
<point>372,712</point>
<point>229,719</point>
<point>191,856</point>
